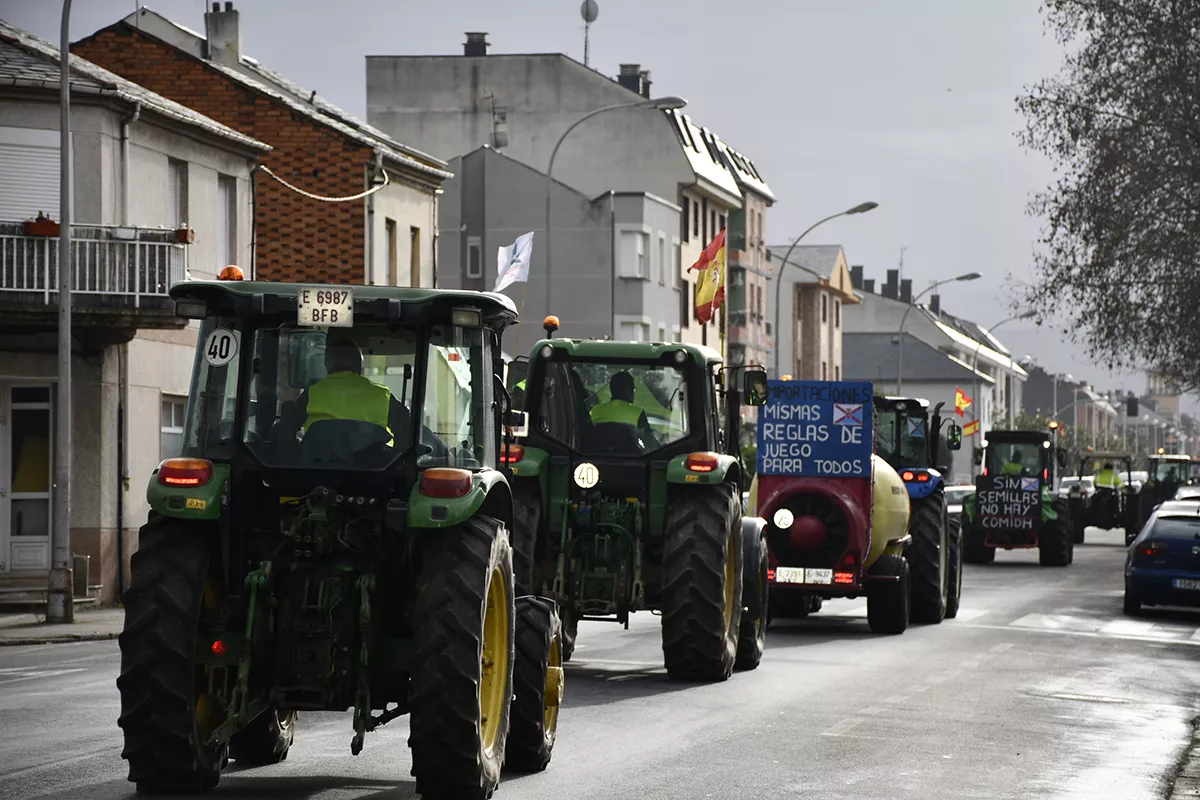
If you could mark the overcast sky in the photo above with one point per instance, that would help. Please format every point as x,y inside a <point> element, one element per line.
<point>909,104</point>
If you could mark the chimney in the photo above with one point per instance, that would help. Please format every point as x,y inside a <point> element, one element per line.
<point>631,77</point>
<point>891,289</point>
<point>223,35</point>
<point>476,45</point>
<point>935,303</point>
<point>869,286</point>
<point>856,279</point>
<point>645,76</point>
<point>906,290</point>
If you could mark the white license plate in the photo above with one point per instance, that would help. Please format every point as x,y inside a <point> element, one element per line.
<point>1186,583</point>
<point>789,574</point>
<point>332,308</point>
<point>819,575</point>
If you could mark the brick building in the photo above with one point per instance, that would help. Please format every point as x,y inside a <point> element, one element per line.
<point>386,238</point>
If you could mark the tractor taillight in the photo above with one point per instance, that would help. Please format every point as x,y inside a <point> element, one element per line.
<point>512,453</point>
<point>922,477</point>
<point>907,475</point>
<point>218,648</point>
<point>444,482</point>
<point>185,472</point>
<point>770,574</point>
<point>1045,474</point>
<point>843,577</point>
<point>702,462</point>
<point>985,472</point>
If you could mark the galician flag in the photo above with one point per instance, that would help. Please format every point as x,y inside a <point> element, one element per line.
<point>710,285</point>
<point>512,262</point>
<point>961,402</point>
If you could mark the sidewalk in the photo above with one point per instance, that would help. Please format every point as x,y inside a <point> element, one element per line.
<point>90,625</point>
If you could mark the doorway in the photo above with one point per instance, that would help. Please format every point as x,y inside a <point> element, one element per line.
<point>26,474</point>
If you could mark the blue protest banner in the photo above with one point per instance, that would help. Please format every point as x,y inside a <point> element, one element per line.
<point>816,429</point>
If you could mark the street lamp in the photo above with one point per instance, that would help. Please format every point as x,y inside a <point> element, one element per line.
<point>970,276</point>
<point>975,359</point>
<point>861,208</point>
<point>658,103</point>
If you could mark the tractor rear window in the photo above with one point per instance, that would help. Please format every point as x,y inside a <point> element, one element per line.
<point>1015,458</point>
<point>212,410</point>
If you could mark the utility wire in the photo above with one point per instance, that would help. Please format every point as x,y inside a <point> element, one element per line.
<point>298,190</point>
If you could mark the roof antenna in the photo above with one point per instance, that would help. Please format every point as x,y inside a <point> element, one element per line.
<point>589,10</point>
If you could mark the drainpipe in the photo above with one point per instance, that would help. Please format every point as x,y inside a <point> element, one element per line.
<point>612,266</point>
<point>123,368</point>
<point>125,124</point>
<point>376,166</point>
<point>437,233</point>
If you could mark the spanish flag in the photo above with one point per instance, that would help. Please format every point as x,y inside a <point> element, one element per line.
<point>961,402</point>
<point>710,285</point>
<point>971,428</point>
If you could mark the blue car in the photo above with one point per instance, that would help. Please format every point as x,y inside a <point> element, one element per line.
<point>1163,564</point>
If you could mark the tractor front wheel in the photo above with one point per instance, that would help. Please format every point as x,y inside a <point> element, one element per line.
<point>888,599</point>
<point>702,583</point>
<point>462,678</point>
<point>954,566</point>
<point>752,638</point>
<point>538,685</point>
<point>927,558</point>
<point>167,714</point>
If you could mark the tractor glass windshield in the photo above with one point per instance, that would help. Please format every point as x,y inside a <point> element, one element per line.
<point>1170,471</point>
<point>901,437</point>
<point>614,408</point>
<point>1015,458</point>
<point>212,406</point>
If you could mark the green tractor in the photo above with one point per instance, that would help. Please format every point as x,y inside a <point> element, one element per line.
<point>1014,505</point>
<point>1165,473</point>
<point>628,496</point>
<point>335,536</point>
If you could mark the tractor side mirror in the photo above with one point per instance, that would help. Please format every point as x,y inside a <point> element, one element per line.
<point>954,436</point>
<point>517,422</point>
<point>754,387</point>
<point>1061,457</point>
<point>978,456</point>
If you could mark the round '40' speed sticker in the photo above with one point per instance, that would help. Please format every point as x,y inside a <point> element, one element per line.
<point>220,347</point>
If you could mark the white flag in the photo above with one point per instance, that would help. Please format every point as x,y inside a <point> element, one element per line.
<point>512,262</point>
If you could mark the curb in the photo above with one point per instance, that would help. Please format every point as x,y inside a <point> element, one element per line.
<point>57,639</point>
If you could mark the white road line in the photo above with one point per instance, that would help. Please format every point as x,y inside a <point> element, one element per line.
<point>968,614</point>
<point>1087,634</point>
<point>1000,648</point>
<point>842,727</point>
<point>1128,627</point>
<point>1196,635</point>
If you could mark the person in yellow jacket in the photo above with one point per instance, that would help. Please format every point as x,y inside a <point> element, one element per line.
<point>620,407</point>
<point>1107,478</point>
<point>1013,466</point>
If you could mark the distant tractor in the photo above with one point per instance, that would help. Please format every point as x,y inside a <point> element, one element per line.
<point>336,535</point>
<point>627,481</point>
<point>910,440</point>
<point>1014,506</point>
<point>1165,473</point>
<point>1110,506</point>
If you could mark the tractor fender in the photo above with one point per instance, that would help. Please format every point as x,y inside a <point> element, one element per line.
<point>533,468</point>
<point>188,502</point>
<point>677,472</point>
<point>488,487</point>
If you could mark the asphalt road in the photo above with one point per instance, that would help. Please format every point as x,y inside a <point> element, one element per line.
<point>1040,689</point>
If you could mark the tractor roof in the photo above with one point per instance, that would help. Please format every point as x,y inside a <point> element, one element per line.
<point>921,401</point>
<point>1017,436</point>
<point>638,351</point>
<point>239,297</point>
<point>1170,457</point>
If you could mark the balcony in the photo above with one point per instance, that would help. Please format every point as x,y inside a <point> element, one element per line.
<point>121,277</point>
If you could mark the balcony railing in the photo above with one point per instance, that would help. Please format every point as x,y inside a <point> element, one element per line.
<point>114,263</point>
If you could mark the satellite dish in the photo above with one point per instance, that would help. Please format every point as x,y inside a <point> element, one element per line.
<point>589,10</point>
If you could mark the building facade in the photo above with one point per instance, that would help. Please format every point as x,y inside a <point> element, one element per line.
<point>748,334</point>
<point>160,192</point>
<point>815,290</point>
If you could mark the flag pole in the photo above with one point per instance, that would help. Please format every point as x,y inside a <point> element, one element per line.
<point>520,311</point>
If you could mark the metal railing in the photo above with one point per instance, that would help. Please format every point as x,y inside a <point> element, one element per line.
<point>107,261</point>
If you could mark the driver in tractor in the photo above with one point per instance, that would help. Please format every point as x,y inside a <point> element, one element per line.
<point>1107,478</point>
<point>1170,483</point>
<point>1014,465</point>
<point>621,408</point>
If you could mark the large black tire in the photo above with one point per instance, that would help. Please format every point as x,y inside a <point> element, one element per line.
<point>1132,604</point>
<point>266,740</point>
<point>954,566</point>
<point>752,638</point>
<point>1077,518</point>
<point>974,550</point>
<point>160,680</point>
<point>570,632</point>
<point>527,517</point>
<point>450,754</point>
<point>702,583</point>
<point>888,601</point>
<point>1055,545</point>
<point>927,558</point>
<point>538,670</point>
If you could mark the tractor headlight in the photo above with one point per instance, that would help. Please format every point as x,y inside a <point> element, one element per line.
<point>680,356</point>
<point>783,518</point>
<point>547,351</point>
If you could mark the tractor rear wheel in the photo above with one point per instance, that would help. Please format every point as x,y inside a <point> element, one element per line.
<point>537,685</point>
<point>974,550</point>
<point>1055,545</point>
<point>702,583</point>
<point>166,711</point>
<point>927,558</point>
<point>266,740</point>
<point>463,654</point>
<point>954,566</point>
<point>888,601</point>
<point>527,516</point>
<point>752,638</point>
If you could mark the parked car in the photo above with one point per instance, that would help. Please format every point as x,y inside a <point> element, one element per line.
<point>1163,563</point>
<point>955,496</point>
<point>1089,486</point>
<point>1190,492</point>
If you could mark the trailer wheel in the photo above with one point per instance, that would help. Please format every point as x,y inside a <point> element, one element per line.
<point>266,740</point>
<point>954,566</point>
<point>527,516</point>
<point>166,711</point>
<point>1055,545</point>
<point>752,638</point>
<point>702,583</point>
<point>888,601</point>
<point>462,677</point>
<point>927,558</point>
<point>537,685</point>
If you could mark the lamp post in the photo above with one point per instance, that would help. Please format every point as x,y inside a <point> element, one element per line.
<point>658,103</point>
<point>969,276</point>
<point>861,208</point>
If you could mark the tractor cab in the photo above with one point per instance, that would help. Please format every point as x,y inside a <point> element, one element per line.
<point>912,442</point>
<point>1114,503</point>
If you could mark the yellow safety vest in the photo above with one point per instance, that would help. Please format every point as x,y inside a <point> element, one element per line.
<point>616,411</point>
<point>1010,468</point>
<point>349,396</point>
<point>1107,479</point>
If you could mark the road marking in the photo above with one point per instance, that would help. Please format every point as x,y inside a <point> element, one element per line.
<point>26,674</point>
<point>897,698</point>
<point>842,727</point>
<point>1196,635</point>
<point>1000,648</point>
<point>1128,627</point>
<point>1087,634</point>
<point>968,614</point>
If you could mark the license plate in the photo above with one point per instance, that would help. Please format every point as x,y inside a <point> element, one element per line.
<point>789,574</point>
<point>1186,583</point>
<point>325,308</point>
<point>819,575</point>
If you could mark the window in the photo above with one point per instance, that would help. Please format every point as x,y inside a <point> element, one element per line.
<point>393,267</point>
<point>634,245</point>
<point>173,410</point>
<point>824,371</point>
<point>177,193</point>
<point>662,332</point>
<point>214,385</point>
<point>31,454</point>
<point>474,257</point>
<point>661,265</point>
<point>721,224</point>
<point>226,221</point>
<point>704,223</point>
<point>685,217</point>
<point>684,317</point>
<point>837,373</point>
<point>29,172</point>
<point>414,256</point>
<point>824,309</point>
<point>634,332</point>
<point>695,218</point>
<point>837,313</point>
